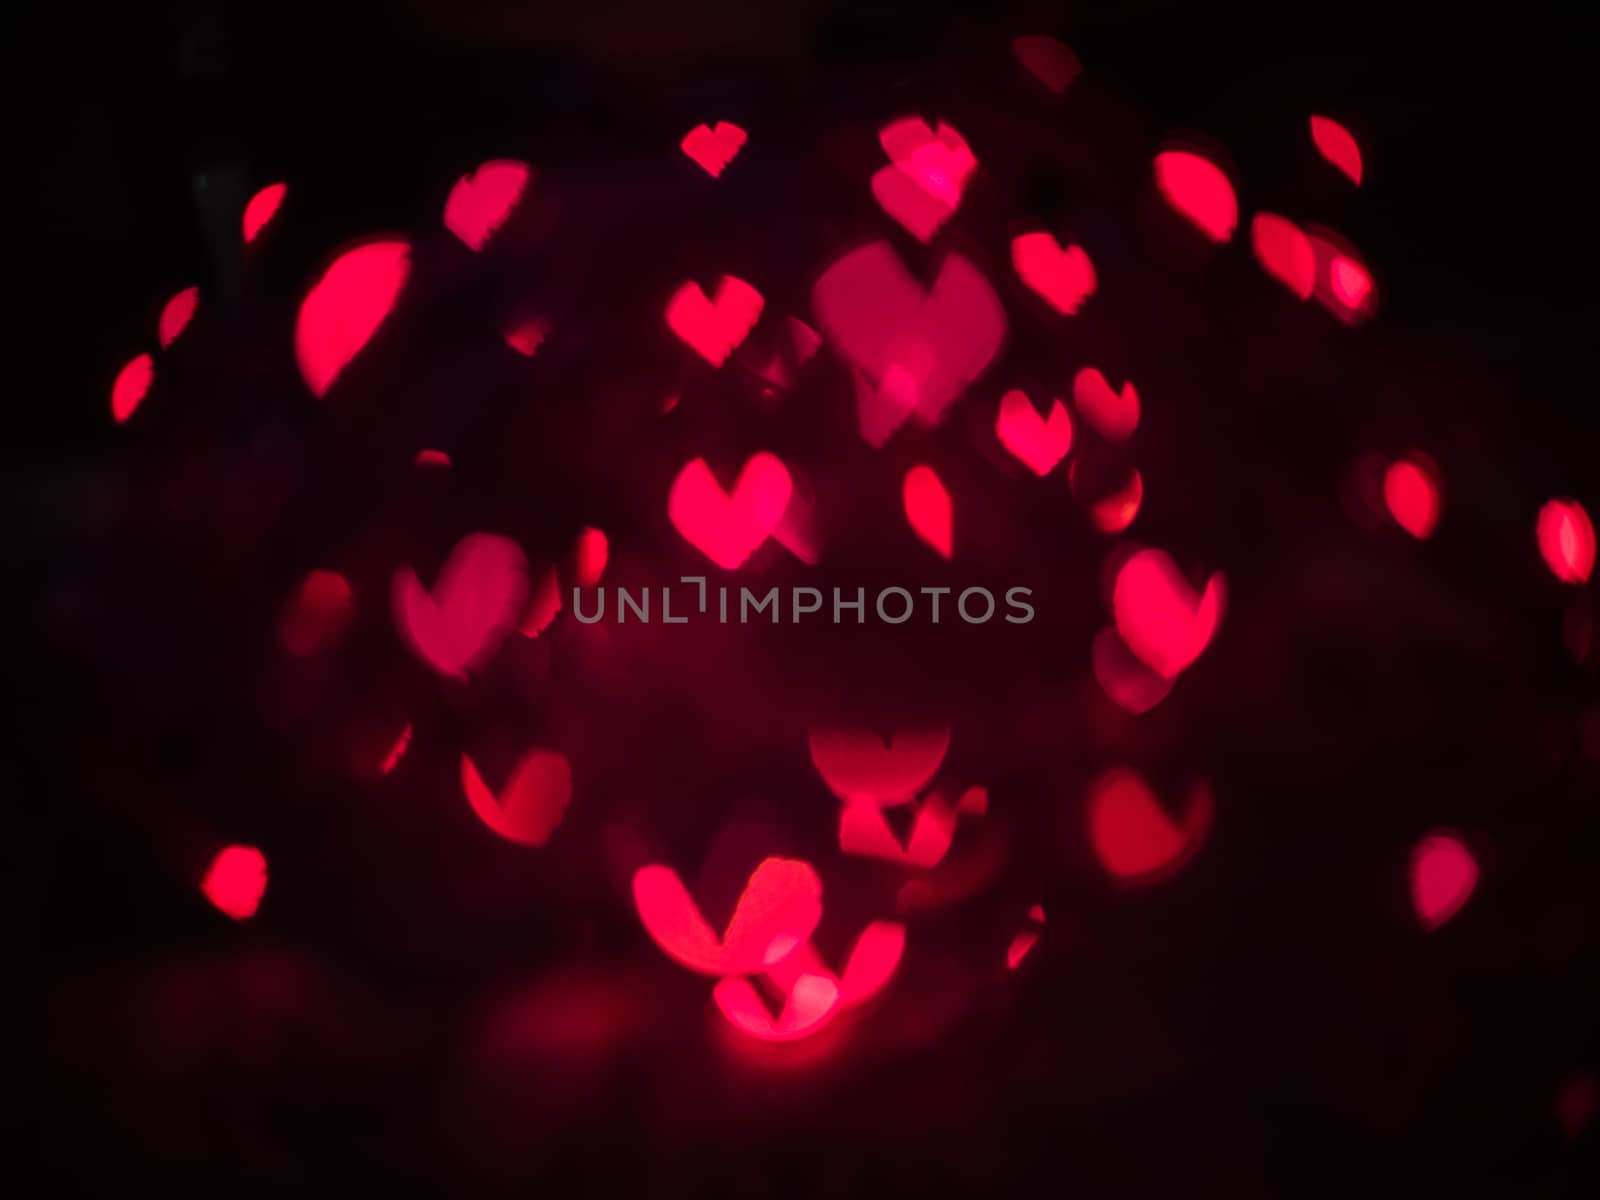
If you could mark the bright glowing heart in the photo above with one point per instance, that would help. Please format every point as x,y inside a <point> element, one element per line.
<point>928,509</point>
<point>813,995</point>
<point>526,336</point>
<point>1131,834</point>
<point>236,881</point>
<point>1158,614</point>
<point>263,206</point>
<point>860,767</point>
<point>713,149</point>
<point>726,528</point>
<point>317,614</point>
<point>1443,877</point>
<point>1336,144</point>
<point>1065,278</point>
<point>1047,60</point>
<point>1198,189</point>
<point>1114,414</point>
<point>1130,684</point>
<point>131,386</point>
<point>475,600</point>
<point>175,315</point>
<point>922,186</point>
<point>483,199</point>
<point>1350,281</point>
<point>1411,490</point>
<point>777,911</point>
<point>1039,443</point>
<point>1566,540</point>
<point>345,307</point>
<point>1284,252</point>
<point>712,330</point>
<point>914,351</point>
<point>531,804</point>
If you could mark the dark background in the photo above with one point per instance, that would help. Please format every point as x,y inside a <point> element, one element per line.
<point>421,1007</point>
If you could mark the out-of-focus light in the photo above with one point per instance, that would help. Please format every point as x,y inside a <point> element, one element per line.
<point>1443,876</point>
<point>1336,144</point>
<point>1131,834</point>
<point>482,200</point>
<point>176,314</point>
<point>1051,62</point>
<point>1130,684</point>
<point>263,206</point>
<point>344,308</point>
<point>1115,415</point>
<point>860,767</point>
<point>1198,188</point>
<point>928,509</point>
<point>1114,511</point>
<point>713,329</point>
<point>433,458</point>
<point>526,336</point>
<point>713,148</point>
<point>780,906</point>
<point>1566,540</point>
<point>475,600</point>
<point>922,186</point>
<point>317,615</point>
<point>1344,283</point>
<point>592,551</point>
<point>1411,491</point>
<point>728,527</point>
<point>1039,443</point>
<point>1284,252</point>
<point>397,751</point>
<point>864,829</point>
<point>1158,614</point>
<point>1064,278</point>
<point>531,804</point>
<point>236,881</point>
<point>131,386</point>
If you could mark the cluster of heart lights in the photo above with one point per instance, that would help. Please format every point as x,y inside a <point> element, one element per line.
<point>913,351</point>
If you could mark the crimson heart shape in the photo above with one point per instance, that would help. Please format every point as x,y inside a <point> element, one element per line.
<point>1158,614</point>
<point>713,149</point>
<point>714,329</point>
<point>531,804</point>
<point>812,994</point>
<point>1039,443</point>
<point>131,386</point>
<point>263,206</point>
<point>914,350</point>
<point>1114,414</point>
<point>777,911</point>
<point>1133,837</point>
<point>1064,278</point>
<point>481,201</point>
<point>860,767</point>
<point>474,602</point>
<point>726,528</point>
<point>1443,877</point>
<point>1284,252</point>
<point>176,315</point>
<point>923,184</point>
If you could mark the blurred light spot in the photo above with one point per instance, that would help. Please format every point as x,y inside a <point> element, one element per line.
<point>922,186</point>
<point>1130,684</point>
<point>712,330</point>
<point>1198,189</point>
<point>475,600</point>
<point>262,208</point>
<point>713,149</point>
<point>175,315</point>
<point>1566,540</point>
<point>526,336</point>
<point>433,458</point>
<point>533,801</point>
<point>1338,146</point>
<point>1047,60</point>
<point>592,552</point>
<point>1350,281</point>
<point>859,766</point>
<point>131,386</point>
<point>1284,252</point>
<point>1064,278</point>
<point>928,509</point>
<point>344,308</point>
<point>1158,614</point>
<point>1039,443</point>
<point>1411,491</point>
<point>544,607</point>
<point>1133,837</point>
<point>396,752</point>
<point>1114,511</point>
<point>236,881</point>
<point>726,528</point>
<point>782,900</point>
<point>813,996</point>
<point>317,615</point>
<point>1443,876</point>
<point>1114,414</point>
<point>481,201</point>
<point>1025,939</point>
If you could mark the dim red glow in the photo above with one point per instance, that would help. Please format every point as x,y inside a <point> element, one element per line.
<point>544,607</point>
<point>713,149</point>
<point>1114,414</point>
<point>1115,511</point>
<point>928,173</point>
<point>483,199</point>
<point>397,751</point>
<point>1411,491</point>
<point>531,804</point>
<point>865,830</point>
<point>928,509</point>
<point>860,767</point>
<point>1350,281</point>
<point>806,1005</point>
<point>1284,252</point>
<point>593,549</point>
<point>1338,146</point>
<point>914,351</point>
<point>175,315</point>
<point>1132,836</point>
<point>317,615</point>
<point>727,529</point>
<point>1198,189</point>
<point>1023,942</point>
<point>475,600</point>
<point>526,336</point>
<point>712,330</point>
<point>262,208</point>
<point>1064,278</point>
<point>1130,684</point>
<point>1344,286</point>
<point>433,458</point>
<point>1443,876</point>
<point>1158,614</point>
<point>344,308</point>
<point>131,386</point>
<point>1047,60</point>
<point>236,881</point>
<point>1566,540</point>
<point>1039,443</point>
<point>777,911</point>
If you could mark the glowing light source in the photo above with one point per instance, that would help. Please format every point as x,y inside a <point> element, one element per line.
<point>713,149</point>
<point>713,329</point>
<point>1064,278</point>
<point>922,186</point>
<point>263,206</point>
<point>928,509</point>
<point>777,911</point>
<point>860,767</point>
<point>459,625</point>
<point>1039,443</point>
<point>591,555</point>
<point>1158,614</point>
<point>1411,491</point>
<point>236,881</point>
<point>1566,540</point>
<point>1284,252</point>
<point>344,308</point>
<point>1114,414</point>
<point>176,314</point>
<point>1131,834</point>
<point>1443,877</point>
<point>1198,189</point>
<point>726,528</point>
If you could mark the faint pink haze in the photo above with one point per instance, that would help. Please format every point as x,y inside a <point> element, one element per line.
<point>914,350</point>
<point>176,314</point>
<point>1025,939</point>
<point>1443,876</point>
<point>344,308</point>
<point>396,751</point>
<point>526,336</point>
<point>262,208</point>
<point>1284,252</point>
<point>482,200</point>
<point>1411,491</point>
<point>475,600</point>
<point>433,458</point>
<point>1039,443</point>
<point>531,804</point>
<point>1566,540</point>
<point>923,185</point>
<point>713,148</point>
<point>1047,60</point>
<point>236,881</point>
<point>1160,617</point>
<point>714,328</point>
<point>865,830</point>
<point>317,615</point>
<point>813,995</point>
<point>862,767</point>
<point>1113,414</point>
<point>1132,836</point>
<point>131,386</point>
<point>1198,189</point>
<point>728,527</point>
<point>1130,684</point>
<point>1064,278</point>
<point>1336,144</point>
<point>593,550</point>
<point>777,911</point>
<point>928,509</point>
